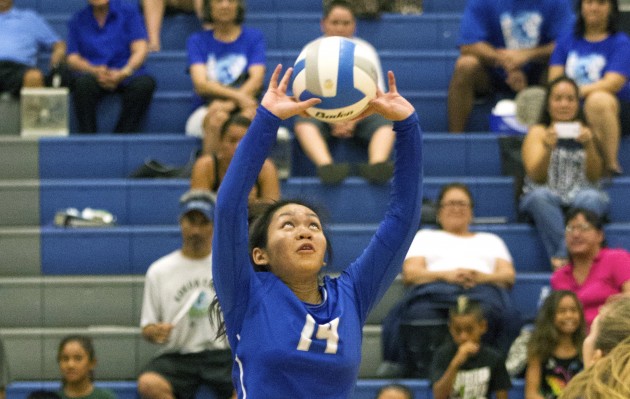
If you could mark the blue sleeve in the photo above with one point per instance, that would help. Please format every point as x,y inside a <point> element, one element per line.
<point>194,50</point>
<point>135,23</point>
<point>46,36</point>
<point>561,51</point>
<point>72,41</point>
<point>559,22</point>
<point>619,60</point>
<point>376,268</point>
<point>473,28</point>
<point>231,268</point>
<point>257,55</point>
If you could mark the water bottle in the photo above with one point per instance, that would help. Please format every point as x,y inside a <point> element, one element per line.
<point>281,153</point>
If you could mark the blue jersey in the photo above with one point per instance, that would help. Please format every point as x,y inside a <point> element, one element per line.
<point>283,347</point>
<point>587,62</point>
<point>22,34</point>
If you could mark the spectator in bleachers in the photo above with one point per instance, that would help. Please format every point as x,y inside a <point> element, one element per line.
<point>394,391</point>
<point>154,11</point>
<point>554,351</point>
<point>178,291</point>
<point>77,359</point>
<point>563,167</point>
<point>596,56</point>
<point>595,273</point>
<point>606,355</point>
<point>23,33</point>
<point>373,132</point>
<point>107,49</point>
<point>440,266</point>
<point>294,332</point>
<point>504,48</point>
<point>466,367</point>
<point>209,170</point>
<point>226,65</point>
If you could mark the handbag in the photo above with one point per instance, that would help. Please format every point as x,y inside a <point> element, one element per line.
<point>152,168</point>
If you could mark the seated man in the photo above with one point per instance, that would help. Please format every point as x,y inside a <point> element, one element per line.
<point>22,34</point>
<point>375,132</point>
<point>504,47</point>
<point>178,291</point>
<point>107,48</point>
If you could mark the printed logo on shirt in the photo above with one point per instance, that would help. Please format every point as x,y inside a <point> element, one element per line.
<point>471,384</point>
<point>521,31</point>
<point>226,70</point>
<point>585,69</point>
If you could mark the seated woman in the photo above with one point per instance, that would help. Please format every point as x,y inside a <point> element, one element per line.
<point>594,273</point>
<point>442,265</point>
<point>560,172</point>
<point>209,169</point>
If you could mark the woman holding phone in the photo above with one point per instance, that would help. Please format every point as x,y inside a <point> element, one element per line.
<point>563,167</point>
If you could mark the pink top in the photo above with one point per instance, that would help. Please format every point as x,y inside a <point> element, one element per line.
<point>610,270</point>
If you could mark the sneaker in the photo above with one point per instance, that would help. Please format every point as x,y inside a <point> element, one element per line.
<point>333,173</point>
<point>377,173</point>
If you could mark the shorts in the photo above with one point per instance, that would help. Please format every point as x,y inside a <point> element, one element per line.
<point>186,372</point>
<point>12,76</point>
<point>363,131</point>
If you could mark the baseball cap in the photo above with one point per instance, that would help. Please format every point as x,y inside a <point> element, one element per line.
<point>198,200</point>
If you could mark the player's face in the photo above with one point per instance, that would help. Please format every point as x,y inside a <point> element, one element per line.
<point>466,328</point>
<point>567,318</point>
<point>224,10</point>
<point>296,244</point>
<point>75,363</point>
<point>339,22</point>
<point>196,232</point>
<point>230,140</point>
<point>582,238</point>
<point>455,211</point>
<point>563,102</point>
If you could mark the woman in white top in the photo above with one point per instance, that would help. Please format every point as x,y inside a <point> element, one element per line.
<point>441,265</point>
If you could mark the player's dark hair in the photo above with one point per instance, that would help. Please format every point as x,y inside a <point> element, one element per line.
<point>465,307</point>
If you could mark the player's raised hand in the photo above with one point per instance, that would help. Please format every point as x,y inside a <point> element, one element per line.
<point>391,105</point>
<point>278,102</point>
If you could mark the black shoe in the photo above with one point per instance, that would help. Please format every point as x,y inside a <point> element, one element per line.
<point>377,173</point>
<point>333,173</point>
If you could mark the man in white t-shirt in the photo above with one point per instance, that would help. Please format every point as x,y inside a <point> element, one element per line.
<point>178,292</point>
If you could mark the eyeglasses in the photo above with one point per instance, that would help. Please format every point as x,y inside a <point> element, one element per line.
<point>454,204</point>
<point>579,228</point>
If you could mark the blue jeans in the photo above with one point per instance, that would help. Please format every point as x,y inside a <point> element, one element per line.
<point>547,210</point>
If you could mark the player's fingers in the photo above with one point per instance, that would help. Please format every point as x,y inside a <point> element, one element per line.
<point>273,82</point>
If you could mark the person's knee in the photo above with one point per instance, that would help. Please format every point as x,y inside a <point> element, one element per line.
<point>466,66</point>
<point>601,102</point>
<point>591,200</point>
<point>153,385</point>
<point>33,78</point>
<point>536,198</point>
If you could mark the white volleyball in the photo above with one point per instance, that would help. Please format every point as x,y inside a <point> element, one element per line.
<point>339,71</point>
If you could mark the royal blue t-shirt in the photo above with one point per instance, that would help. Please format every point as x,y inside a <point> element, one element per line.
<point>226,63</point>
<point>587,62</point>
<point>283,347</point>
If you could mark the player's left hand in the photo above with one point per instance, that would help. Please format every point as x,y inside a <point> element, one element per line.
<point>390,105</point>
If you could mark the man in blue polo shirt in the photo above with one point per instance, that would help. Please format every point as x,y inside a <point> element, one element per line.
<point>22,34</point>
<point>107,48</point>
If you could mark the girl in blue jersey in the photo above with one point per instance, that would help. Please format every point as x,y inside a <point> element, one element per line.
<point>294,335</point>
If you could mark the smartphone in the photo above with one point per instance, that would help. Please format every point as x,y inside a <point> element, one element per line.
<point>567,130</point>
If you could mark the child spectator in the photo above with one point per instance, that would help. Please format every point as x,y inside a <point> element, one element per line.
<point>555,346</point>
<point>77,360</point>
<point>394,391</point>
<point>465,368</point>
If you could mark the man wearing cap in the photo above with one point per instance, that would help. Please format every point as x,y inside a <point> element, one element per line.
<point>178,291</point>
